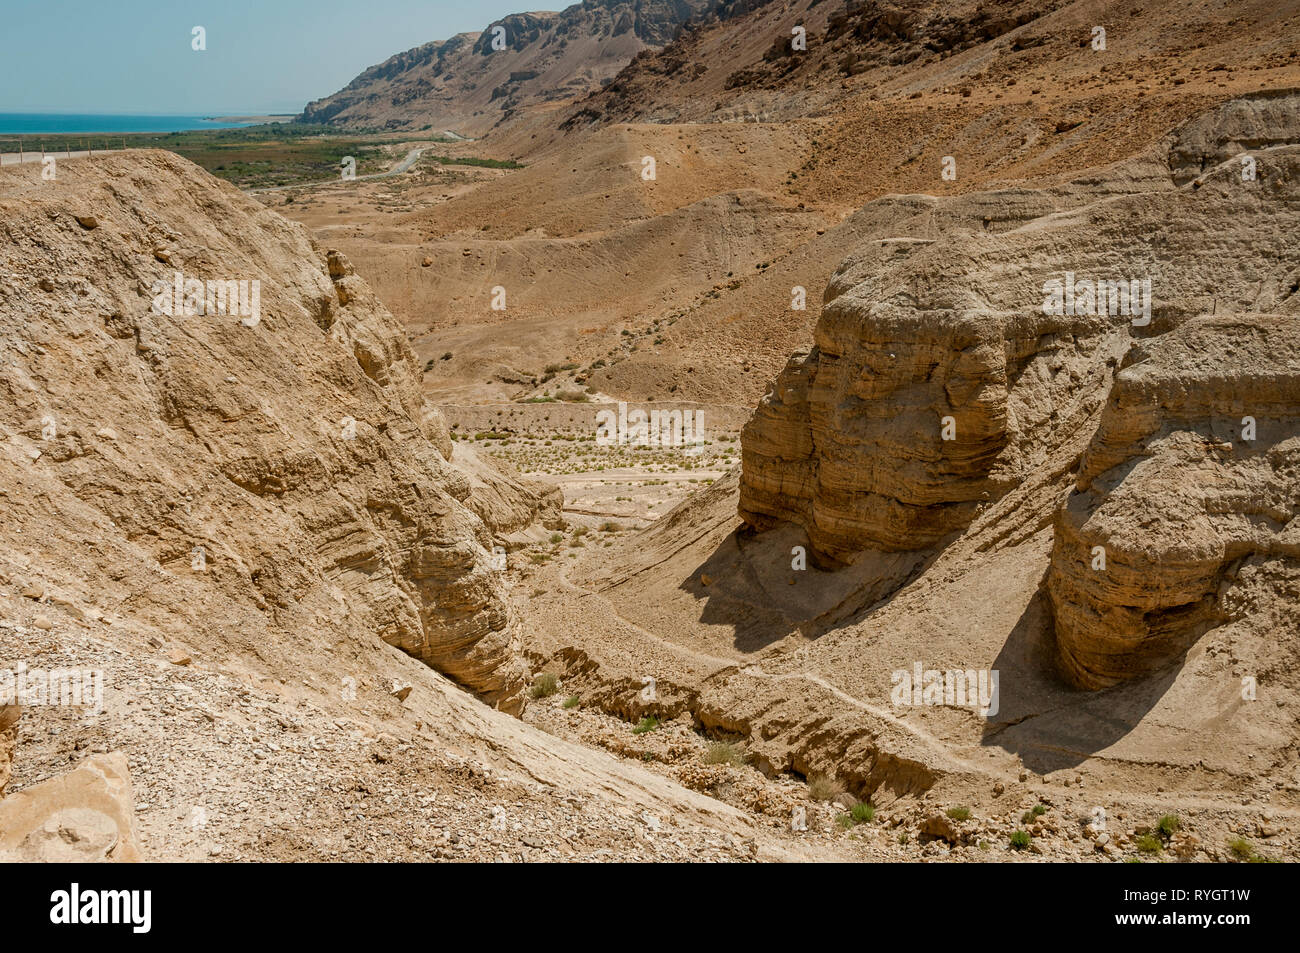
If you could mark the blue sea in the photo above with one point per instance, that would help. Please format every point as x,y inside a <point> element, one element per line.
<point>27,124</point>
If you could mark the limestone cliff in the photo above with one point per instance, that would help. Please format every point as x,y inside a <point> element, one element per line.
<point>256,478</point>
<point>962,353</point>
<point>1185,513</point>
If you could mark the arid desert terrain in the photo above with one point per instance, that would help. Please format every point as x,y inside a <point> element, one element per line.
<point>740,431</point>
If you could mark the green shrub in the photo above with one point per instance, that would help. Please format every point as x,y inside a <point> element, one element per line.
<point>645,724</point>
<point>1020,839</point>
<point>1149,844</point>
<point>959,813</point>
<point>573,701</point>
<point>1168,824</point>
<point>864,812</point>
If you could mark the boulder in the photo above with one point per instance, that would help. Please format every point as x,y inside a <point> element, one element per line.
<point>84,816</point>
<point>9,715</point>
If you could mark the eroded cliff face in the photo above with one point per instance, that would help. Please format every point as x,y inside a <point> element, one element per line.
<point>1184,516</point>
<point>968,353</point>
<point>257,478</point>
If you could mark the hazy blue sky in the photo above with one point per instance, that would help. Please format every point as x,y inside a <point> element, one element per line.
<point>134,56</point>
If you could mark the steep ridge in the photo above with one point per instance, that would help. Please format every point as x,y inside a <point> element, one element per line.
<point>472,81</point>
<point>747,61</point>
<point>229,477</point>
<point>941,377</point>
<point>929,395</point>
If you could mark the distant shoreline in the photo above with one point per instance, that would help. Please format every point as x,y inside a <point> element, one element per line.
<point>253,120</point>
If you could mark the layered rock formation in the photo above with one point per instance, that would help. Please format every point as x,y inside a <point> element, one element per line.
<point>234,478</point>
<point>961,355</point>
<point>1185,513</point>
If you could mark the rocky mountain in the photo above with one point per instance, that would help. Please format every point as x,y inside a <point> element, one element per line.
<point>991,459</point>
<point>762,60</point>
<point>472,81</point>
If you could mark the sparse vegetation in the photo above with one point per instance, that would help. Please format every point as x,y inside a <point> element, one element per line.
<point>1148,844</point>
<point>573,701</point>
<point>864,812</point>
<point>1020,840</point>
<point>959,813</point>
<point>478,162</point>
<point>724,752</point>
<point>1241,848</point>
<point>823,788</point>
<point>645,724</point>
<point>545,684</point>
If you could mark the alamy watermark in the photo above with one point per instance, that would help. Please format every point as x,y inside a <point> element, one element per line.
<point>957,688</point>
<point>190,297</point>
<point>657,428</point>
<point>61,687</point>
<point>1086,296</point>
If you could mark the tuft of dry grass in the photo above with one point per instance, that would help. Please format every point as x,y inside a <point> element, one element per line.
<point>822,787</point>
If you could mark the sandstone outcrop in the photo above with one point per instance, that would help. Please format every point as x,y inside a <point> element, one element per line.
<point>258,476</point>
<point>948,371</point>
<point>1186,512</point>
<point>509,504</point>
<point>84,816</point>
<point>1237,128</point>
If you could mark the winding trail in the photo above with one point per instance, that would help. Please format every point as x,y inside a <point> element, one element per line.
<point>945,760</point>
<point>934,745</point>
